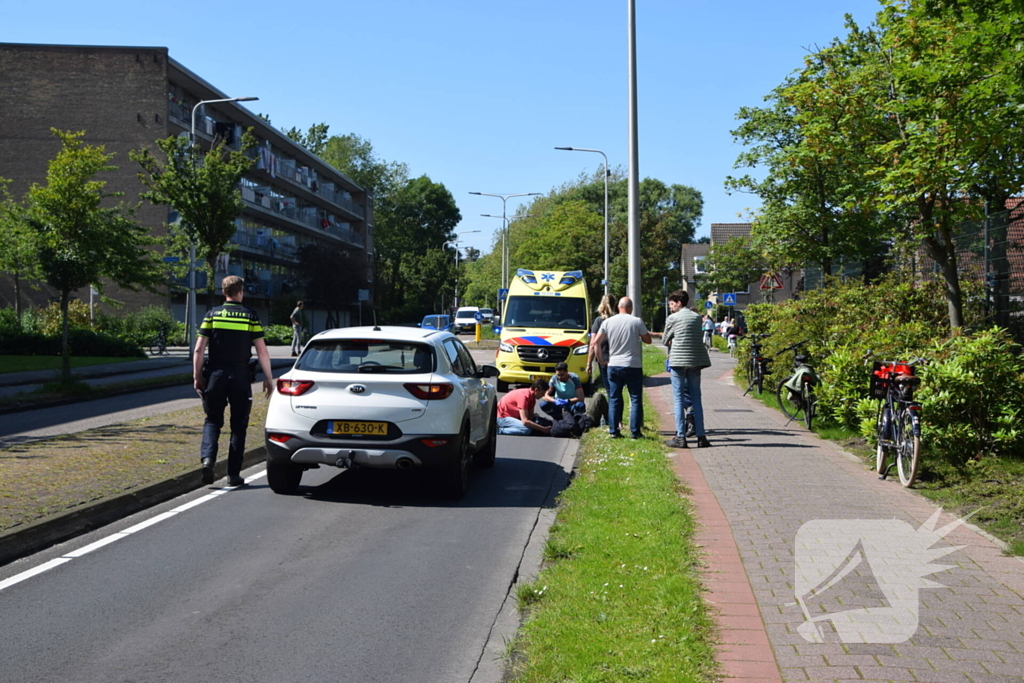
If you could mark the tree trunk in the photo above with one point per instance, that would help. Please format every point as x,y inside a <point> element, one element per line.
<point>65,361</point>
<point>945,255</point>
<point>17,296</point>
<point>210,288</point>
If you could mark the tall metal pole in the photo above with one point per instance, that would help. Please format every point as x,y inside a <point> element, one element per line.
<point>504,198</point>
<point>633,286</point>
<point>607,172</point>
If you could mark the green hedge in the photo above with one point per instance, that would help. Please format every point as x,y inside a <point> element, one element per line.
<point>81,343</point>
<point>972,387</point>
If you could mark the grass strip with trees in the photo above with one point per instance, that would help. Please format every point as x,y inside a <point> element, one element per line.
<point>619,597</point>
<point>33,363</point>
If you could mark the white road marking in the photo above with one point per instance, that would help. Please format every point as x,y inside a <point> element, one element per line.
<point>124,533</point>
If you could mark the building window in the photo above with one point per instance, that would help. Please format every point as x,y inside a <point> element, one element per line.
<point>698,265</point>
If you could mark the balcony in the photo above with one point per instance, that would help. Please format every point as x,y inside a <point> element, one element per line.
<point>265,246</point>
<point>306,216</point>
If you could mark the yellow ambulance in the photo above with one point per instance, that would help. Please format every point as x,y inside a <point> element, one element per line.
<point>545,320</point>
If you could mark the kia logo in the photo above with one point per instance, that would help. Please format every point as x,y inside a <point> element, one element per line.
<point>542,353</point>
<point>357,389</point>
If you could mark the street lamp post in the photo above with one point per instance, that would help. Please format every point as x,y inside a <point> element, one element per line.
<point>192,243</point>
<point>606,174</point>
<point>504,200</point>
<point>456,243</point>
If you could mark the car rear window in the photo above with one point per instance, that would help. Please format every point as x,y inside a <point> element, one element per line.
<point>367,355</point>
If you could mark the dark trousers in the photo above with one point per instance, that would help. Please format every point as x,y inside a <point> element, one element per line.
<point>632,380</point>
<point>227,385</point>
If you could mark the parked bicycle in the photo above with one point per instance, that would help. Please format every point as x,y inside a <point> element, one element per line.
<point>796,393</point>
<point>758,365</point>
<point>898,424</point>
<point>158,346</point>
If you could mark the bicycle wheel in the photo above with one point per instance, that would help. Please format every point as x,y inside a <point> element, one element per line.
<point>908,447</point>
<point>880,449</point>
<point>758,377</point>
<point>810,403</point>
<point>792,407</point>
<point>157,347</point>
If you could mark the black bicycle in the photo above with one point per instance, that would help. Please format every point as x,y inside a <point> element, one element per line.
<point>758,365</point>
<point>796,393</point>
<point>158,346</point>
<point>898,424</point>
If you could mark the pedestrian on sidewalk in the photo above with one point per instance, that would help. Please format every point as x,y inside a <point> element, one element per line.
<point>624,333</point>
<point>516,408</point>
<point>230,330</point>
<point>297,328</point>
<point>604,311</point>
<point>688,355</point>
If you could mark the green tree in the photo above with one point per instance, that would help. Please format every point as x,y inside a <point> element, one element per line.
<point>315,139</point>
<point>731,266</point>
<point>203,188</point>
<point>81,242</point>
<point>19,249</point>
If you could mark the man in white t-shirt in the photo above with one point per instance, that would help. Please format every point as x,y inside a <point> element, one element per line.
<point>624,334</point>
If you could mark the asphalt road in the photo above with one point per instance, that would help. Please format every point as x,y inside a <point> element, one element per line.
<point>363,576</point>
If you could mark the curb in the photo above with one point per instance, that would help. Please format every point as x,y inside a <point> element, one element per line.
<point>63,526</point>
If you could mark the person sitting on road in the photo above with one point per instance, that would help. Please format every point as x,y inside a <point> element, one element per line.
<point>515,410</point>
<point>565,393</point>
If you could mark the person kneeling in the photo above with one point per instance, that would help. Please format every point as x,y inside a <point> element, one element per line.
<point>565,393</point>
<point>515,411</point>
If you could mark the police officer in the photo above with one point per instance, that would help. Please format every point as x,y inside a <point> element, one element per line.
<point>230,331</point>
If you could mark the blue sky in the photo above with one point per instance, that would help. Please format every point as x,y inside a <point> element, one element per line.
<point>477,94</point>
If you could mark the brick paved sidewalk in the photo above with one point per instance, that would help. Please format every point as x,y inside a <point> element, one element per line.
<point>755,488</point>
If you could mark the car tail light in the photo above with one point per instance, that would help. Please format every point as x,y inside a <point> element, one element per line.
<point>280,438</point>
<point>434,443</point>
<point>430,392</point>
<point>293,387</point>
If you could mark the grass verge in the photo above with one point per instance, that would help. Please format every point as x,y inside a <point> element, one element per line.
<point>619,598</point>
<point>992,488</point>
<point>42,478</point>
<point>32,363</point>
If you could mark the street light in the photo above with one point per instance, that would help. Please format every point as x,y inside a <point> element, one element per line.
<point>606,174</point>
<point>456,243</point>
<point>506,251</point>
<point>504,200</point>
<point>192,244</point>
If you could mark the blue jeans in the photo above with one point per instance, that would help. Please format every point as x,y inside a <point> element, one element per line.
<point>513,426</point>
<point>686,391</point>
<point>631,379</point>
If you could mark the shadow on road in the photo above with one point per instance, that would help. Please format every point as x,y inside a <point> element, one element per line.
<point>513,482</point>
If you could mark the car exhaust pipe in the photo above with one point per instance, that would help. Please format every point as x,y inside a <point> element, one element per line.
<point>404,463</point>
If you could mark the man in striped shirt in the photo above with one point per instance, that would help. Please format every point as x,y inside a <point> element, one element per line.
<point>230,331</point>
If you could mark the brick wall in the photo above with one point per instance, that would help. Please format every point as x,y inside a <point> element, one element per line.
<point>117,95</point>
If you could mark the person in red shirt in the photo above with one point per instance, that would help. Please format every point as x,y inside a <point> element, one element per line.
<point>515,410</point>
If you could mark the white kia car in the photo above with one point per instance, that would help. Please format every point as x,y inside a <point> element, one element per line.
<point>391,398</point>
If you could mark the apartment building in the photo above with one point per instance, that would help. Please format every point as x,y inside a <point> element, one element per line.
<point>125,98</point>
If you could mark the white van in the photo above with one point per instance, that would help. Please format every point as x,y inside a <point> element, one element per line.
<point>465,319</point>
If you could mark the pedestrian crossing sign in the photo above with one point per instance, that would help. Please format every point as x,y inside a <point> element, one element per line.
<point>729,299</point>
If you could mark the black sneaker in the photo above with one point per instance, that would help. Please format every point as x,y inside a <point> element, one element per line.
<point>207,470</point>
<point>235,480</point>
<point>636,436</point>
<point>676,442</point>
<point>615,435</point>
<point>702,442</point>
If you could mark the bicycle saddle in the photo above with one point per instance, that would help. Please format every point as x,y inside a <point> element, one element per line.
<point>908,380</point>
<point>800,358</point>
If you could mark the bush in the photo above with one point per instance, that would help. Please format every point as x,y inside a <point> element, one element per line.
<point>80,342</point>
<point>278,335</point>
<point>141,327</point>
<point>49,322</point>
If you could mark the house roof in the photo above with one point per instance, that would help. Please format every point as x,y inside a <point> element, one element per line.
<point>723,232</point>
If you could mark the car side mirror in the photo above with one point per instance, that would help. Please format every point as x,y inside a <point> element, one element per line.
<point>485,371</point>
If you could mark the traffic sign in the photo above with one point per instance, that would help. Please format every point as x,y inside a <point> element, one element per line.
<point>502,294</point>
<point>171,259</point>
<point>708,305</point>
<point>771,282</point>
<point>729,299</point>
<point>479,316</point>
